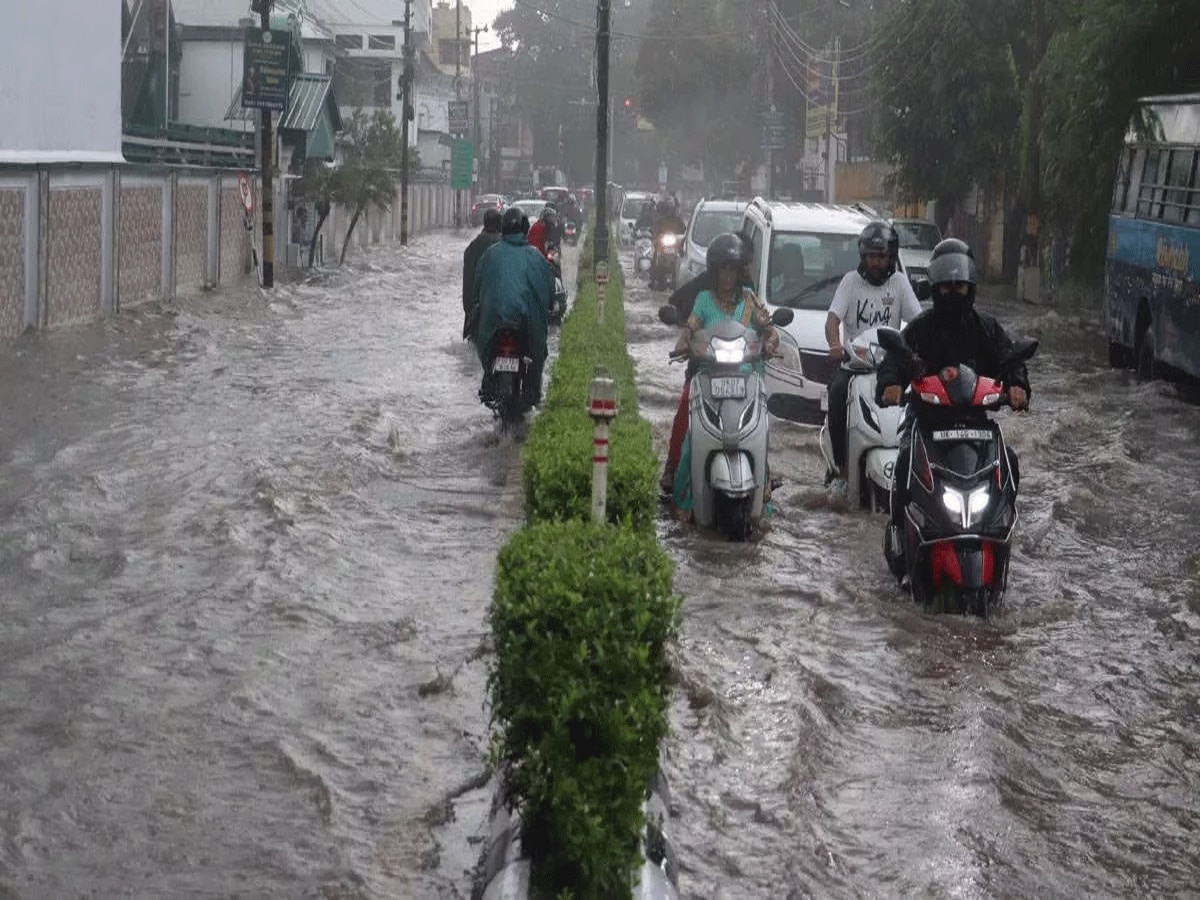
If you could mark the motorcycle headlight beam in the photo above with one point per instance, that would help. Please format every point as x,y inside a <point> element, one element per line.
<point>968,507</point>
<point>729,351</point>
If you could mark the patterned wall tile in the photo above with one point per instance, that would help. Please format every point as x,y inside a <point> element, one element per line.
<point>12,262</point>
<point>235,240</point>
<point>191,236</point>
<point>73,285</point>
<point>139,276</point>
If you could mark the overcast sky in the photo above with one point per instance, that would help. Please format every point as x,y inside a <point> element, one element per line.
<point>482,13</point>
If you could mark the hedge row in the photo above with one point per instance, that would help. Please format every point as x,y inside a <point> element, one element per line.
<point>581,618</point>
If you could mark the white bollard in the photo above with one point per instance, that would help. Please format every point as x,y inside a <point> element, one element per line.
<point>602,407</point>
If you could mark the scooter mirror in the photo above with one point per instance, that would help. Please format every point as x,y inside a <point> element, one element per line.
<point>893,341</point>
<point>1022,350</point>
<point>782,316</point>
<point>668,315</point>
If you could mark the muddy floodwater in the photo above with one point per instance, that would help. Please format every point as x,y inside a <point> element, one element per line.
<point>247,545</point>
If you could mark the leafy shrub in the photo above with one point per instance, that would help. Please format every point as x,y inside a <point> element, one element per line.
<point>581,618</point>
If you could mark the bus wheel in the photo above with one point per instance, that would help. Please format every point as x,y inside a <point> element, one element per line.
<point>1147,364</point>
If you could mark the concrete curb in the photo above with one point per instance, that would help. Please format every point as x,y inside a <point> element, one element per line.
<point>505,873</point>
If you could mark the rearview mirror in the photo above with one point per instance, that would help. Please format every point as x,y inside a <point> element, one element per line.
<point>1022,350</point>
<point>782,316</point>
<point>923,289</point>
<point>668,315</point>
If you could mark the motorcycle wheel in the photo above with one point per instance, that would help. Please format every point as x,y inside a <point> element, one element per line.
<point>732,516</point>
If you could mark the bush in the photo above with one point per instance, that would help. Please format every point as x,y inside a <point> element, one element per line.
<point>557,469</point>
<point>581,618</point>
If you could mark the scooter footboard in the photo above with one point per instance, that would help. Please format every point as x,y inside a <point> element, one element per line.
<point>731,472</point>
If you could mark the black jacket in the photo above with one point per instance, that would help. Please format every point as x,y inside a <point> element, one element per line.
<point>684,296</point>
<point>980,342</point>
<point>471,257</point>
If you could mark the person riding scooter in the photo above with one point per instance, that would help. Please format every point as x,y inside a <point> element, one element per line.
<point>952,333</point>
<point>872,296</point>
<point>515,286</point>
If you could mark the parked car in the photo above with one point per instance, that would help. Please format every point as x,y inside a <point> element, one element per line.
<point>918,237</point>
<point>483,203</point>
<point>801,252</point>
<point>709,218</point>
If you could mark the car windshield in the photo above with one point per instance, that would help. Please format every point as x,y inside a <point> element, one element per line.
<point>631,207</point>
<point>710,223</point>
<point>531,208</point>
<point>918,235</point>
<point>555,195</point>
<point>804,268</point>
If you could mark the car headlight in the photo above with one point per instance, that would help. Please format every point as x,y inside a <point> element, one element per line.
<point>968,507</point>
<point>729,351</point>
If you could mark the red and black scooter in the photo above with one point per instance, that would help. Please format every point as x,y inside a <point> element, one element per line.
<point>962,487</point>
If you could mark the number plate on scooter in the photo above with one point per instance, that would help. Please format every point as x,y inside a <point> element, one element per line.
<point>963,434</point>
<point>727,388</point>
<point>506,364</point>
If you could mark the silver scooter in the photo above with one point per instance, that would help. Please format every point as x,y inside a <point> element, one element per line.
<point>872,431</point>
<point>728,425</point>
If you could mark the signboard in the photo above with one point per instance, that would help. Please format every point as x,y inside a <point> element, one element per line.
<point>266,74</point>
<point>774,131</point>
<point>462,156</point>
<point>460,116</point>
<point>247,194</point>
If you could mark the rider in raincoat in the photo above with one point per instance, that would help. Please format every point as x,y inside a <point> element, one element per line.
<point>515,286</point>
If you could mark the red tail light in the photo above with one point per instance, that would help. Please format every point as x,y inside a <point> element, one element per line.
<point>507,345</point>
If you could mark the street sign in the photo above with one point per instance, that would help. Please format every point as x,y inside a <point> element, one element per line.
<point>460,116</point>
<point>462,155</point>
<point>247,194</point>
<point>774,131</point>
<point>265,69</point>
<point>819,121</point>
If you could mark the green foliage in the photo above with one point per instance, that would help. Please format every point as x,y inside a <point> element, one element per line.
<point>367,176</point>
<point>582,617</point>
<point>1110,53</point>
<point>558,453</point>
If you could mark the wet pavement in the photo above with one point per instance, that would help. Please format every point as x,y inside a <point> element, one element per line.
<point>247,546</point>
<point>246,551</point>
<point>829,739</point>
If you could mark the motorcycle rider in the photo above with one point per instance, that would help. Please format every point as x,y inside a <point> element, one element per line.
<point>514,285</point>
<point>952,333</point>
<point>471,257</point>
<point>873,295</point>
<point>684,300</point>
<point>729,298</point>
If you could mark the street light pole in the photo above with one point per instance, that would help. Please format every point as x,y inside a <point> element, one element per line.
<point>478,100</point>
<point>406,83</point>
<point>603,16</point>
<point>458,94</point>
<point>263,7</point>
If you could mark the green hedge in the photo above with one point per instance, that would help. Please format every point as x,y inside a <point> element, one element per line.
<point>581,618</point>
<point>557,470</point>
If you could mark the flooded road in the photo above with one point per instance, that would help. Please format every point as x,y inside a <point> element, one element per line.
<point>831,740</point>
<point>247,547</point>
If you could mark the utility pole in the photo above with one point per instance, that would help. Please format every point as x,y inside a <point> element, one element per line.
<point>475,90</point>
<point>263,7</point>
<point>458,94</point>
<point>603,15</point>
<point>830,114</point>
<point>406,86</point>
<point>771,57</point>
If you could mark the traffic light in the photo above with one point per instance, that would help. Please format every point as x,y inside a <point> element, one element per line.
<point>627,106</point>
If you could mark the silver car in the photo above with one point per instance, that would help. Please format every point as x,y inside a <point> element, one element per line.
<point>709,218</point>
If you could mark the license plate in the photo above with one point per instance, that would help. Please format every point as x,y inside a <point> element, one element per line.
<point>506,364</point>
<point>963,434</point>
<point>824,401</point>
<point>728,388</point>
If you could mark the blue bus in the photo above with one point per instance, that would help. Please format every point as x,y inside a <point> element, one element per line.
<point>1152,267</point>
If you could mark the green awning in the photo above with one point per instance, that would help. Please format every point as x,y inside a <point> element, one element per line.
<point>306,98</point>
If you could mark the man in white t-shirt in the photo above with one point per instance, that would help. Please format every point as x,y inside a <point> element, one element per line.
<point>875,295</point>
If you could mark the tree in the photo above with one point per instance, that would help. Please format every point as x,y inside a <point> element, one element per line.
<point>368,176</point>
<point>318,186</point>
<point>1110,53</point>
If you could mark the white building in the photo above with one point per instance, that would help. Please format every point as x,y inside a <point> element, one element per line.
<point>60,97</point>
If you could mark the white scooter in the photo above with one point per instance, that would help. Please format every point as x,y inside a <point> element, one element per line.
<point>728,425</point>
<point>872,431</point>
<point>643,253</point>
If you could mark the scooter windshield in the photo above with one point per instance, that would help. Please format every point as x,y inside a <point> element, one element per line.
<point>963,450</point>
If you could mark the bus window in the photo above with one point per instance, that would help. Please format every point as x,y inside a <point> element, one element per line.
<point>1179,174</point>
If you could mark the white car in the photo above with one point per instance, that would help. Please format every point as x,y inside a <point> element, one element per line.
<point>631,207</point>
<point>709,218</point>
<point>801,252</point>
<point>918,237</point>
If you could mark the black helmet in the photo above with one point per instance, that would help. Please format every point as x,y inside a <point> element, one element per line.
<point>878,237</point>
<point>951,261</point>
<point>549,214</point>
<point>726,248</point>
<point>515,221</point>
<point>492,220</point>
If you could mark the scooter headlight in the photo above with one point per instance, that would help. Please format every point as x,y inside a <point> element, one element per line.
<point>967,506</point>
<point>669,240</point>
<point>729,351</point>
